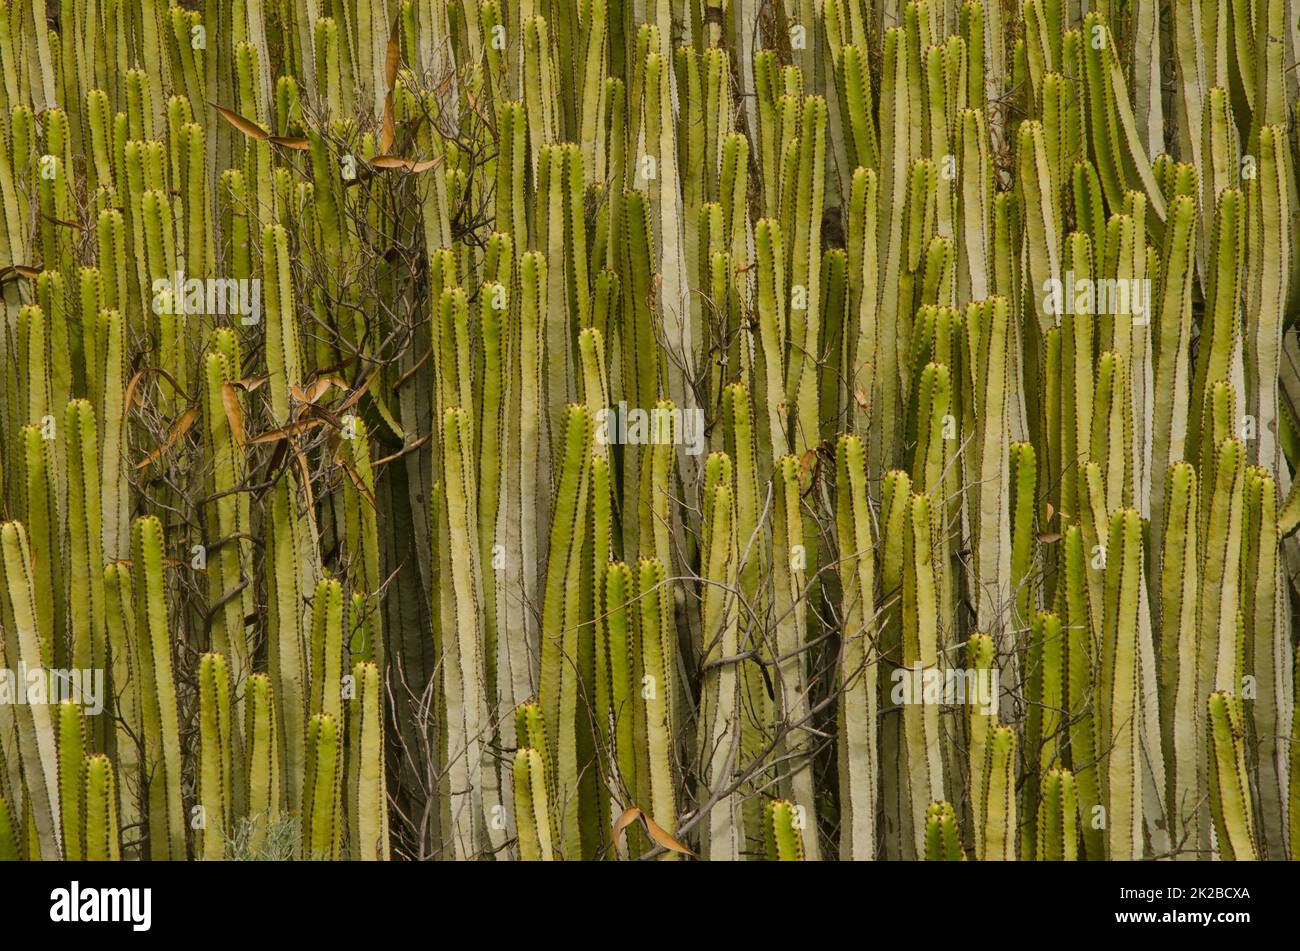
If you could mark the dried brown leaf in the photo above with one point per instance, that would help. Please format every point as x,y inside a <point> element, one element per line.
<point>245,125</point>
<point>653,829</point>
<point>179,429</point>
<point>234,413</point>
<point>298,143</point>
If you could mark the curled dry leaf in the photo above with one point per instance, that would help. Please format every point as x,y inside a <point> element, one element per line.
<point>628,817</point>
<point>20,270</point>
<point>179,429</point>
<point>653,829</point>
<point>234,413</point>
<point>393,56</point>
<point>296,142</point>
<point>478,111</point>
<point>392,59</point>
<point>384,162</point>
<point>389,133</point>
<point>807,464</point>
<point>285,432</point>
<point>140,375</point>
<point>249,383</point>
<point>356,394</point>
<point>304,471</point>
<point>316,389</point>
<point>242,123</point>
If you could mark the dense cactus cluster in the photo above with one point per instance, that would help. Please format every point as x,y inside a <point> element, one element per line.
<point>577,429</point>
